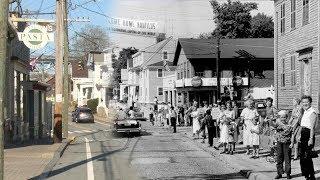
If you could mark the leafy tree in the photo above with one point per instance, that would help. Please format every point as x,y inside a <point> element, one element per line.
<point>233,19</point>
<point>89,38</point>
<point>161,37</point>
<point>121,63</point>
<point>262,26</point>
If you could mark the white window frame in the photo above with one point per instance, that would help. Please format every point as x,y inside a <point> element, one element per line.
<point>158,92</point>
<point>293,14</point>
<point>161,73</point>
<point>163,52</point>
<point>283,18</point>
<point>305,12</point>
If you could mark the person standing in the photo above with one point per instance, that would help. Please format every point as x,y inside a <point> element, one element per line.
<point>209,123</point>
<point>155,106</point>
<point>294,122</point>
<point>131,112</point>
<point>308,124</point>
<point>283,137</point>
<point>255,139</point>
<point>215,116</point>
<point>173,119</point>
<point>248,116</point>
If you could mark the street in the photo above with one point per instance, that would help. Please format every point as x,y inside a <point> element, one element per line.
<point>156,154</point>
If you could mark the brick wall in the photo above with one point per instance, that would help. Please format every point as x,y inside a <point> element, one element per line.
<point>286,45</point>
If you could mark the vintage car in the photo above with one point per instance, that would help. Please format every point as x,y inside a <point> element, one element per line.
<point>82,114</point>
<point>127,125</point>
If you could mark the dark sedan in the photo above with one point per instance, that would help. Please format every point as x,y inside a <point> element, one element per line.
<point>82,114</point>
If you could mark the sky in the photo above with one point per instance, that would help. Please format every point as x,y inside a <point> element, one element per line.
<point>177,18</point>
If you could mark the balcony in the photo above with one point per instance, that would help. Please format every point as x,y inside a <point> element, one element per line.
<point>207,82</point>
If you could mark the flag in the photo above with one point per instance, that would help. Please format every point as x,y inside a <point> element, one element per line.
<point>33,62</point>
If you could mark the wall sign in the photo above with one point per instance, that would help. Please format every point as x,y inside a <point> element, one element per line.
<point>35,36</point>
<point>196,81</point>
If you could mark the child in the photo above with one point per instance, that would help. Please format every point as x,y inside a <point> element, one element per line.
<point>255,139</point>
<point>232,132</point>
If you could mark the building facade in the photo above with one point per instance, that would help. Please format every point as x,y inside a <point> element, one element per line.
<point>242,62</point>
<point>296,51</point>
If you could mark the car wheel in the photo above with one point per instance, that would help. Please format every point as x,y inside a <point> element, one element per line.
<point>76,120</point>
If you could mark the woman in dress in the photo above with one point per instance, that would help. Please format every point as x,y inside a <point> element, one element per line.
<point>248,116</point>
<point>295,115</point>
<point>195,114</point>
<point>227,117</point>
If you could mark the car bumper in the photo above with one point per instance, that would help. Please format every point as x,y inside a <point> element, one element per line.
<point>126,130</point>
<point>85,120</point>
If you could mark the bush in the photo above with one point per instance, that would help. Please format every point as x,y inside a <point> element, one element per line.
<point>93,104</point>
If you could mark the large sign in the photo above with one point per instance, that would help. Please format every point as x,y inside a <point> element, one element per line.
<point>35,36</point>
<point>132,26</point>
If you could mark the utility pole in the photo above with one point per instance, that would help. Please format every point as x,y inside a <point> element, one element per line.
<point>65,73</point>
<point>218,69</point>
<point>57,130</point>
<point>4,8</point>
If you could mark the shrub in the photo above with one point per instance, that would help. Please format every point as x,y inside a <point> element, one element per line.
<point>93,104</point>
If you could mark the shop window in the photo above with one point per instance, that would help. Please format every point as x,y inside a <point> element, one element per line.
<point>293,14</point>
<point>293,71</point>
<point>305,12</point>
<point>283,76</point>
<point>160,73</point>
<point>282,18</point>
<point>160,91</point>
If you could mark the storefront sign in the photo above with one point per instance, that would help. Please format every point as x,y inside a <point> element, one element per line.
<point>196,81</point>
<point>238,81</point>
<point>35,36</point>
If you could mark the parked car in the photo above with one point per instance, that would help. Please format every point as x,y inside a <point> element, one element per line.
<point>127,125</point>
<point>82,114</point>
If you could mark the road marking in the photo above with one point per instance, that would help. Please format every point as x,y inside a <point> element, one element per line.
<point>88,131</point>
<point>90,174</point>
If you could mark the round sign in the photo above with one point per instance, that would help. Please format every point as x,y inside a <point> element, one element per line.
<point>238,81</point>
<point>35,36</point>
<point>196,81</point>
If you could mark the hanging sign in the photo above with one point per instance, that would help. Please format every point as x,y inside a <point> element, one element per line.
<point>196,81</point>
<point>35,36</point>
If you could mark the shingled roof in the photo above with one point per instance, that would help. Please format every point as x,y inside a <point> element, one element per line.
<point>259,48</point>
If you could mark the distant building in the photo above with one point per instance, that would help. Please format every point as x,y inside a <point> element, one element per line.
<point>297,52</point>
<point>146,72</point>
<point>196,69</point>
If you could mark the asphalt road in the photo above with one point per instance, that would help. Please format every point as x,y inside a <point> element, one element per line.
<point>157,154</point>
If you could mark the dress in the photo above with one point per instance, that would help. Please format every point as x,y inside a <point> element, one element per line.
<point>248,115</point>
<point>195,122</point>
<point>255,139</point>
<point>224,119</point>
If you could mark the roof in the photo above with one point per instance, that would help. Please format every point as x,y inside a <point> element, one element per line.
<point>263,82</point>
<point>259,48</point>
<point>153,54</point>
<point>160,63</point>
<point>77,72</point>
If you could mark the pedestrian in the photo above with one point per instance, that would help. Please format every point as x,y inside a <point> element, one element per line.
<point>237,121</point>
<point>248,116</point>
<point>296,131</point>
<point>215,113</point>
<point>269,139</point>
<point>308,124</point>
<point>235,109</point>
<point>229,117</point>
<point>203,110</point>
<point>209,123</point>
<point>255,139</point>
<point>173,119</point>
<point>151,116</point>
<point>232,137</point>
<point>131,112</point>
<point>283,138</point>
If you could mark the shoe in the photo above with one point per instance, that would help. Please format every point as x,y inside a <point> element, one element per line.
<point>288,176</point>
<point>231,153</point>
<point>228,152</point>
<point>279,176</point>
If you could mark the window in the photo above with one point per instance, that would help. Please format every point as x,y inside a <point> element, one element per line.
<point>160,73</point>
<point>293,14</point>
<point>282,18</point>
<point>165,55</point>
<point>188,70</point>
<point>160,91</point>
<point>305,12</point>
<point>293,70</point>
<point>283,80</point>
<point>185,69</point>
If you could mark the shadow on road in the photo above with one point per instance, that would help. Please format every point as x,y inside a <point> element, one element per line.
<point>206,176</point>
<point>43,141</point>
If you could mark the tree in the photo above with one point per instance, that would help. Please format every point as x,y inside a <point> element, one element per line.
<point>261,26</point>
<point>121,63</point>
<point>90,38</point>
<point>161,37</point>
<point>233,19</point>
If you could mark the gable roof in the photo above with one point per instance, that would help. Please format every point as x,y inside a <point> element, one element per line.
<point>258,48</point>
<point>153,54</point>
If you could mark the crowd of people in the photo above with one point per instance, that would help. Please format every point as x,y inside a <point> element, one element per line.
<point>279,131</point>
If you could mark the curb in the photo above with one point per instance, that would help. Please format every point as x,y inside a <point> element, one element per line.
<point>59,152</point>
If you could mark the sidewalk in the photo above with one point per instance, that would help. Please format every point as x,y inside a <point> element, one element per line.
<point>251,168</point>
<point>28,160</point>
